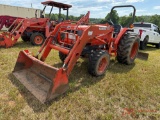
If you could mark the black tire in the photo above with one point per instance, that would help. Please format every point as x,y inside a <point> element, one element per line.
<point>158,45</point>
<point>128,48</point>
<point>37,39</point>
<point>143,44</point>
<point>25,38</point>
<point>62,56</point>
<point>98,63</point>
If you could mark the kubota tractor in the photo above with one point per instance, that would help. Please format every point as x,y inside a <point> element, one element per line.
<point>7,21</point>
<point>96,42</point>
<point>35,29</point>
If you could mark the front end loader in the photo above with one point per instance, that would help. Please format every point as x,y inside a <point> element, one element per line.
<point>35,29</point>
<point>96,42</point>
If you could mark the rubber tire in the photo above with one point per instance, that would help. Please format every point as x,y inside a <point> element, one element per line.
<point>125,47</point>
<point>25,38</point>
<point>35,35</point>
<point>62,56</point>
<point>158,45</point>
<point>94,60</point>
<point>143,44</point>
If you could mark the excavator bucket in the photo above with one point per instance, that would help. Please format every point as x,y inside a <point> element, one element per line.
<point>43,81</point>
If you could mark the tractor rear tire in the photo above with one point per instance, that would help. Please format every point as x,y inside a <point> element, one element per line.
<point>98,63</point>
<point>143,44</point>
<point>37,39</point>
<point>128,48</point>
<point>62,56</point>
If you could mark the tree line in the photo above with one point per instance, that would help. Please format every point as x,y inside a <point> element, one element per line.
<point>73,18</point>
<point>122,20</point>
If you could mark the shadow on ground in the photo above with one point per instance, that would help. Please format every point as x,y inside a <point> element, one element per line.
<point>116,67</point>
<point>150,48</point>
<point>22,44</point>
<point>79,78</point>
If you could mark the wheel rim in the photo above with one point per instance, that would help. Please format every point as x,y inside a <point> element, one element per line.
<point>134,50</point>
<point>38,40</point>
<point>102,65</point>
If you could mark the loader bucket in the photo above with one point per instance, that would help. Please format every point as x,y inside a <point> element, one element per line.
<point>43,81</point>
<point>5,40</point>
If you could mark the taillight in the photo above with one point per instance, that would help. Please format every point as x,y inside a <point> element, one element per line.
<point>140,33</point>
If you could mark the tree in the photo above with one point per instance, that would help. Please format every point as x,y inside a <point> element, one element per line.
<point>155,19</point>
<point>126,20</point>
<point>114,17</point>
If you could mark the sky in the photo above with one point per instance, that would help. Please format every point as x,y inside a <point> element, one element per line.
<point>97,8</point>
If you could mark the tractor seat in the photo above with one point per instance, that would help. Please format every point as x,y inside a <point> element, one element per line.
<point>117,28</point>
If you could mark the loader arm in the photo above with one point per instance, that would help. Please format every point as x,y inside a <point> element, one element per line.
<point>74,53</point>
<point>84,19</point>
<point>50,35</point>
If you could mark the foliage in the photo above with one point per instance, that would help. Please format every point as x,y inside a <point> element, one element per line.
<point>56,17</point>
<point>114,17</point>
<point>125,20</point>
<point>122,20</point>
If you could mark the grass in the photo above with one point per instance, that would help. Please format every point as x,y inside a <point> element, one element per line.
<point>123,93</point>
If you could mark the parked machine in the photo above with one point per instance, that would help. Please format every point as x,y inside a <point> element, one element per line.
<point>34,30</point>
<point>75,40</point>
<point>7,21</point>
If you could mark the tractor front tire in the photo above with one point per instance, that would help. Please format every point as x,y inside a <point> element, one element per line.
<point>25,38</point>
<point>37,39</point>
<point>128,49</point>
<point>98,63</point>
<point>62,56</point>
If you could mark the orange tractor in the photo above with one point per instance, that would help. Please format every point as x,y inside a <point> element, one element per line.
<point>74,40</point>
<point>35,29</point>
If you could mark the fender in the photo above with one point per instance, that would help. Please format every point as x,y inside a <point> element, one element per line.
<point>120,35</point>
